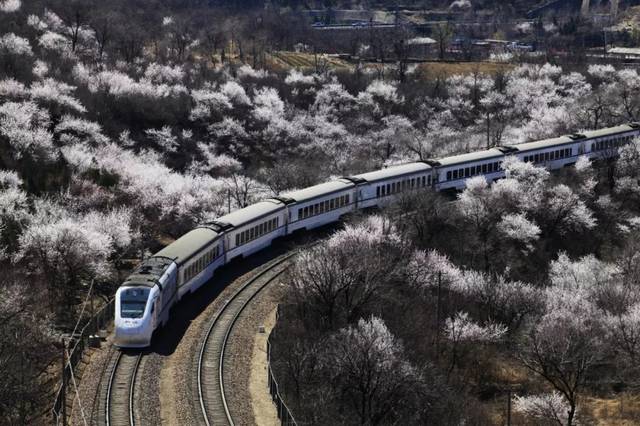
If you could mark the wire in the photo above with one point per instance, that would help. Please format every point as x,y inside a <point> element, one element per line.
<point>75,386</point>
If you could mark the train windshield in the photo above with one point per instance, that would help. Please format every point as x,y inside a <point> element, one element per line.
<point>133,302</point>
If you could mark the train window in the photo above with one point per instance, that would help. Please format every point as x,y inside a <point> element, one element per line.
<point>449,175</point>
<point>393,187</point>
<point>346,199</point>
<point>377,192</point>
<point>237,239</point>
<point>251,231</point>
<point>331,203</point>
<point>569,152</point>
<point>466,172</point>
<point>455,174</point>
<point>429,180</point>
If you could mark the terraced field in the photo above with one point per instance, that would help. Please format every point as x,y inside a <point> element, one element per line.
<point>284,59</point>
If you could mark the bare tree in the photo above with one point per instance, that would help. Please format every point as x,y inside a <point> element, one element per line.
<point>561,348</point>
<point>367,365</point>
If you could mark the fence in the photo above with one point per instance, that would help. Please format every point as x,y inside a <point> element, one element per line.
<point>284,414</point>
<point>77,345</point>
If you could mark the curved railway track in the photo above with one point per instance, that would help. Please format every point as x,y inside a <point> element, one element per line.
<point>119,403</point>
<point>211,360</point>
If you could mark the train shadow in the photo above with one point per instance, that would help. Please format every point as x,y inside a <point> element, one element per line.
<point>166,340</point>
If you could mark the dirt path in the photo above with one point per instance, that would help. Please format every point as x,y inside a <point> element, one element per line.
<point>264,411</point>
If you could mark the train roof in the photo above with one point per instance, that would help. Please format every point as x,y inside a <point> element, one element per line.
<point>148,272</point>
<point>545,143</point>
<point>394,171</point>
<point>470,157</point>
<point>569,139</point>
<point>320,190</point>
<point>251,213</point>
<point>609,131</point>
<point>188,245</point>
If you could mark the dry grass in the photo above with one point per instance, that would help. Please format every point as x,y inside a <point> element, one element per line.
<point>624,410</point>
<point>287,60</point>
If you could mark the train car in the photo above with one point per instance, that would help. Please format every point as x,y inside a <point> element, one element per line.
<point>553,153</point>
<point>452,172</point>
<point>604,143</point>
<point>382,186</point>
<point>252,228</point>
<point>197,254</point>
<point>320,204</point>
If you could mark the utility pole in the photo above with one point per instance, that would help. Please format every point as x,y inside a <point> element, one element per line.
<point>438,315</point>
<point>63,391</point>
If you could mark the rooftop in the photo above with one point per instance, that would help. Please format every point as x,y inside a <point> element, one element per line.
<point>148,272</point>
<point>319,190</point>
<point>394,171</point>
<point>251,213</point>
<point>189,244</point>
<point>472,156</point>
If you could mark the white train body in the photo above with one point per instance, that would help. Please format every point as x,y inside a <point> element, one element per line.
<point>145,298</point>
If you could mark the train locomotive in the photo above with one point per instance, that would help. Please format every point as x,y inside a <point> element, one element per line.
<point>144,300</point>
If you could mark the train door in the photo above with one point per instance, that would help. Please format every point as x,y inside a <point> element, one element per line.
<point>154,313</point>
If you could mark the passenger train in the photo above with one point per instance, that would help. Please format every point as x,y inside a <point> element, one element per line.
<point>143,301</point>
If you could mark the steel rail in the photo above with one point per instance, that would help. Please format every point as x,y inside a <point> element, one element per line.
<point>248,290</point>
<point>131,373</point>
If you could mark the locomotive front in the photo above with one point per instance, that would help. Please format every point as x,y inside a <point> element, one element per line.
<point>133,316</point>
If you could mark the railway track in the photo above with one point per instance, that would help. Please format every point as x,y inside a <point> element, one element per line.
<point>119,403</point>
<point>211,360</point>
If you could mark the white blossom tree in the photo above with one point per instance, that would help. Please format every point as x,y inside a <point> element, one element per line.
<point>367,363</point>
<point>551,407</point>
